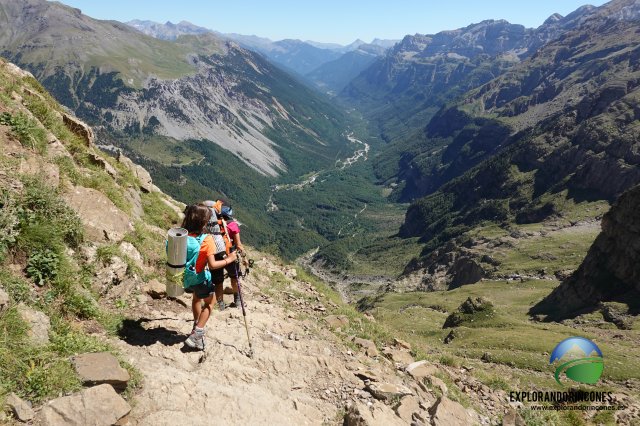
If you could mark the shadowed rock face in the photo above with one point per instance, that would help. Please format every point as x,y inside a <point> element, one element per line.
<point>611,270</point>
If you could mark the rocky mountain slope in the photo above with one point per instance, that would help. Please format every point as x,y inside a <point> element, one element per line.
<point>199,87</point>
<point>168,30</point>
<point>330,67</point>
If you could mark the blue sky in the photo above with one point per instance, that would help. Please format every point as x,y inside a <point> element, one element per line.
<point>335,21</point>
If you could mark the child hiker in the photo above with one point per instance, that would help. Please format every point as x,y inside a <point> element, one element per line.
<point>196,218</point>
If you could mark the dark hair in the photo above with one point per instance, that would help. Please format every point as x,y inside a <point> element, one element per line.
<point>196,217</point>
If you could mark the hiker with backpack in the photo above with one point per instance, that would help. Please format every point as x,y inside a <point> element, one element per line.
<point>201,250</point>
<point>226,233</point>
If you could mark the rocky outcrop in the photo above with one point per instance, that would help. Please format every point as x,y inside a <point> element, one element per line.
<point>470,310</point>
<point>79,128</point>
<point>146,184</point>
<point>444,269</point>
<point>610,271</point>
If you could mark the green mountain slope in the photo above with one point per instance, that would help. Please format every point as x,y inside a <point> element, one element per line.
<point>333,76</point>
<point>400,93</point>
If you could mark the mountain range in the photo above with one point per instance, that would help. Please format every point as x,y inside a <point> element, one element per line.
<point>543,127</point>
<point>328,66</point>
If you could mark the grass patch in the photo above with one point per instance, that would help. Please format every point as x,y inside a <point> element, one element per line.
<point>149,244</point>
<point>510,338</point>
<point>26,130</point>
<point>33,373</point>
<point>157,212</point>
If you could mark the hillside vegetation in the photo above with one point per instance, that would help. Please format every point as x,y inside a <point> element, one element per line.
<point>57,283</point>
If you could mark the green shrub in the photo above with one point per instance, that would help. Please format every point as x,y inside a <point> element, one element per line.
<point>42,266</point>
<point>449,360</point>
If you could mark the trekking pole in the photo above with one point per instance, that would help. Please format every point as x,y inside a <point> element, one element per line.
<point>244,313</point>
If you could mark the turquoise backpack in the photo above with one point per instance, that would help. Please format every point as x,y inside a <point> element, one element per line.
<point>192,278</point>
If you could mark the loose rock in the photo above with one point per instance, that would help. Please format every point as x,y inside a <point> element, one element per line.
<point>99,368</point>
<point>38,325</point>
<point>388,391</point>
<point>421,369</point>
<point>99,405</point>
<point>21,409</point>
<point>4,300</point>
<point>379,414</point>
<point>368,345</point>
<point>446,412</point>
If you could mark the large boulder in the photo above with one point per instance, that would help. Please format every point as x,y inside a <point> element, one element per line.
<point>421,369</point>
<point>20,409</point>
<point>99,368</point>
<point>368,346</point>
<point>96,406</point>
<point>102,220</point>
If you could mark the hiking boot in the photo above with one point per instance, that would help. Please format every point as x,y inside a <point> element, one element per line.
<point>196,340</point>
<point>221,305</point>
<point>236,300</point>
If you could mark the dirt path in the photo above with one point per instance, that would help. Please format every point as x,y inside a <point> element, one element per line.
<point>297,376</point>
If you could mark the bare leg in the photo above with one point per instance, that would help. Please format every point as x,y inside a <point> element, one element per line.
<point>219,289</point>
<point>196,307</point>
<point>206,312</point>
<point>234,285</point>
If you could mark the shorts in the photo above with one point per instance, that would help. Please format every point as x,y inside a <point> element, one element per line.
<point>217,275</point>
<point>202,291</point>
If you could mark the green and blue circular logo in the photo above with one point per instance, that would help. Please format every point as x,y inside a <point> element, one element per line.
<point>579,359</point>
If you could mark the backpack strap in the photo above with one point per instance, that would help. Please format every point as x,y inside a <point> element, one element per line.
<point>200,239</point>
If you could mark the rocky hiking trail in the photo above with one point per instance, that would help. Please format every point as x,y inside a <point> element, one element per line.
<point>302,372</point>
